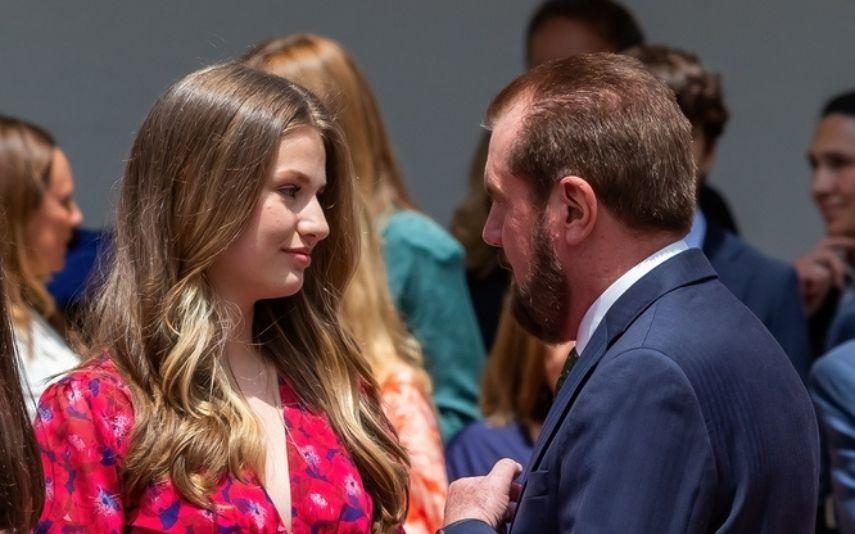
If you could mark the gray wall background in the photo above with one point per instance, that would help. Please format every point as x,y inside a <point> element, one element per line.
<point>89,72</point>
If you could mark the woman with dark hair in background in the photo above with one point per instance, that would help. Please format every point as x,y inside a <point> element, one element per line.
<point>223,393</point>
<point>39,215</point>
<point>423,262</point>
<point>21,481</point>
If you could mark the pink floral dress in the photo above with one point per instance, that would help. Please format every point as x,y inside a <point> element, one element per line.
<point>83,426</point>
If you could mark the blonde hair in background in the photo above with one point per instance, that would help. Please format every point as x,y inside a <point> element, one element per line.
<point>368,310</point>
<point>326,69</point>
<point>193,178</point>
<point>515,388</point>
<point>471,214</point>
<point>26,157</point>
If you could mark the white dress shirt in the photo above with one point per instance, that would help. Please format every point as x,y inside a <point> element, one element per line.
<point>592,318</point>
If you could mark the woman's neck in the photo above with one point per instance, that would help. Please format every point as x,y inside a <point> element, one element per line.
<point>247,364</point>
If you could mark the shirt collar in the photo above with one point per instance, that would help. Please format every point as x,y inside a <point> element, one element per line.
<point>698,232</point>
<point>592,318</point>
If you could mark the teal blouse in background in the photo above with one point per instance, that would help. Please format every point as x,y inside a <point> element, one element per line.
<point>426,274</point>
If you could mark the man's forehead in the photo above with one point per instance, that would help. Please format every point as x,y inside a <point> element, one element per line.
<point>508,123</point>
<point>506,128</point>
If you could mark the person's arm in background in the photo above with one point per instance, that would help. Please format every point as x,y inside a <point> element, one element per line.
<point>832,387</point>
<point>414,420</point>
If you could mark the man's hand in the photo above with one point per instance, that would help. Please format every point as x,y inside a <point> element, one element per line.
<point>488,498</point>
<point>821,269</point>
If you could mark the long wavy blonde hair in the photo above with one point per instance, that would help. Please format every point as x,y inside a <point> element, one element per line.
<point>194,175</point>
<point>368,311</point>
<point>326,69</point>
<point>26,161</point>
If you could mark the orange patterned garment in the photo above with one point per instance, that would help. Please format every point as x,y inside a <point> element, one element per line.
<point>414,419</point>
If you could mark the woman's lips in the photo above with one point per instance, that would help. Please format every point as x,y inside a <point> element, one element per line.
<point>302,257</point>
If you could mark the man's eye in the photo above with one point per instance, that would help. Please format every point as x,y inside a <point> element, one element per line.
<point>290,191</point>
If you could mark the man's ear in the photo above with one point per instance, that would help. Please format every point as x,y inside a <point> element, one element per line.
<point>578,204</point>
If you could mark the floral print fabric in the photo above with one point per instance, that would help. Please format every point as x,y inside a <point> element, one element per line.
<point>83,427</point>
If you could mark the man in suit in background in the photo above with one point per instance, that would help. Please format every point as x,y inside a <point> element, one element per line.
<point>680,412</point>
<point>768,287</point>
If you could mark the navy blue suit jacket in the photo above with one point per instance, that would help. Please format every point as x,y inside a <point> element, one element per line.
<point>768,287</point>
<point>682,415</point>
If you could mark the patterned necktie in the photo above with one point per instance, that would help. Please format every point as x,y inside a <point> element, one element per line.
<point>568,366</point>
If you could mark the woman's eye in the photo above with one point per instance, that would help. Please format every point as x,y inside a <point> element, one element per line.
<point>290,191</point>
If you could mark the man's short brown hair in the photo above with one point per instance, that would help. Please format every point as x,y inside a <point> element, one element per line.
<point>606,119</point>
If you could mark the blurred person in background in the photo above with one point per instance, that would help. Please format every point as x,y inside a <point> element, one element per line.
<point>832,387</point>
<point>21,481</point>
<point>768,287</point>
<point>405,388</point>
<point>825,273</point>
<point>75,285</point>
<point>39,215</point>
<point>222,392</point>
<point>424,264</point>
<point>564,28</point>
<point>519,386</point>
<point>826,283</point>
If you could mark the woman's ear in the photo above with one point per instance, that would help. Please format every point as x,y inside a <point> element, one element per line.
<point>578,203</point>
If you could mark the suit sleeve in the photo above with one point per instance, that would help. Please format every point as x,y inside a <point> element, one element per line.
<point>832,387</point>
<point>637,454</point>
<point>789,325</point>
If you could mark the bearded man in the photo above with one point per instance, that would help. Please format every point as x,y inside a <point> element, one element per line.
<point>678,412</point>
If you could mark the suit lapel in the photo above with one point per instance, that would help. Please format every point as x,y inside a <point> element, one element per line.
<point>683,269</point>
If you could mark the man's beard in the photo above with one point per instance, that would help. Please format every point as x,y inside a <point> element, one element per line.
<point>541,302</point>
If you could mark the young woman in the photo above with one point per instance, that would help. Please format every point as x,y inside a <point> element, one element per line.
<point>424,263</point>
<point>21,481</point>
<point>226,396</point>
<point>39,215</point>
